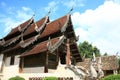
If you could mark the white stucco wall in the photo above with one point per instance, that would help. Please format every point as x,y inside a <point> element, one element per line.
<point>33,70</point>
<point>11,70</point>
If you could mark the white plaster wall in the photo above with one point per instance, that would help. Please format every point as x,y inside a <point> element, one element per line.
<point>11,70</point>
<point>60,72</point>
<point>51,70</point>
<point>33,70</point>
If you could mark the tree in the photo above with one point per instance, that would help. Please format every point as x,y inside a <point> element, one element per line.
<point>86,49</point>
<point>105,54</point>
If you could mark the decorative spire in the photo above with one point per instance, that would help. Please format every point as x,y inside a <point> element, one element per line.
<point>71,9</point>
<point>49,12</point>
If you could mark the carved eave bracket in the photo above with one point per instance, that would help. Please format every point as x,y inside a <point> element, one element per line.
<point>51,48</point>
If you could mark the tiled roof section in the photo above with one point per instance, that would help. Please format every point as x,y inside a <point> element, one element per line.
<point>50,28</point>
<point>16,29</point>
<point>41,47</point>
<point>12,40</point>
<point>32,27</point>
<point>108,63</point>
<point>54,26</point>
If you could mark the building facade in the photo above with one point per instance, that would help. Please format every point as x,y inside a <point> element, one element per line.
<point>38,48</point>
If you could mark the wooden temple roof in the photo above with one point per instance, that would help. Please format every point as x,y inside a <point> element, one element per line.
<point>50,28</point>
<point>28,31</point>
<point>40,31</point>
<point>17,29</point>
<point>35,25</point>
<point>41,47</point>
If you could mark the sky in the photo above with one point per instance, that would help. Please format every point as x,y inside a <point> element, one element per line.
<point>95,21</point>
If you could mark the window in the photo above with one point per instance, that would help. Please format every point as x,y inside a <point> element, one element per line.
<point>12,60</point>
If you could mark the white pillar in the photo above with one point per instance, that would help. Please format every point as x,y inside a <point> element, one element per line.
<point>1,61</point>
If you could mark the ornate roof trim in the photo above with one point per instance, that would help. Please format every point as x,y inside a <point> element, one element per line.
<point>23,29</point>
<point>63,29</point>
<point>23,44</point>
<point>56,45</point>
<point>40,29</point>
<point>14,40</point>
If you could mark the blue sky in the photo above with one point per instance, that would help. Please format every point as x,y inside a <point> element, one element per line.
<point>96,21</point>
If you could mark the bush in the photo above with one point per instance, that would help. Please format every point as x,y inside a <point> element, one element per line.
<point>50,78</point>
<point>112,77</point>
<point>16,78</point>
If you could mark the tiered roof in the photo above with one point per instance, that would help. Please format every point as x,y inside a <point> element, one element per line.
<point>36,36</point>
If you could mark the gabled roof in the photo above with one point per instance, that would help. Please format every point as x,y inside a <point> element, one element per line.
<point>50,28</point>
<point>18,28</point>
<point>41,47</point>
<point>36,25</point>
<point>55,26</point>
<point>41,23</point>
<point>40,31</point>
<point>108,63</point>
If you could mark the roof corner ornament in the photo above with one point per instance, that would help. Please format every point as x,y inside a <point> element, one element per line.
<point>36,27</point>
<point>71,9</point>
<point>2,42</point>
<point>63,29</point>
<point>19,28</point>
<point>49,44</point>
<point>22,41</point>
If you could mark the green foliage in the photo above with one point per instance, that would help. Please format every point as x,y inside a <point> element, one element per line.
<point>87,49</point>
<point>112,77</point>
<point>105,54</point>
<point>50,78</point>
<point>16,78</point>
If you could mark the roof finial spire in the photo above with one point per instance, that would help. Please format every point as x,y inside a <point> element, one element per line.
<point>49,12</point>
<point>71,9</point>
<point>34,14</point>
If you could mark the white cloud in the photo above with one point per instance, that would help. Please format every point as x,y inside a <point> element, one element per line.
<point>12,20</point>
<point>100,26</point>
<point>52,5</point>
<point>75,3</point>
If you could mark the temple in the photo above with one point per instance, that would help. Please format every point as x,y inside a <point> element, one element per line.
<point>38,48</point>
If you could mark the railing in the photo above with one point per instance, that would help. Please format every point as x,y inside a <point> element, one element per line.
<point>59,78</point>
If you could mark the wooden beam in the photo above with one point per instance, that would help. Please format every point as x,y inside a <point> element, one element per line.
<point>46,63</point>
